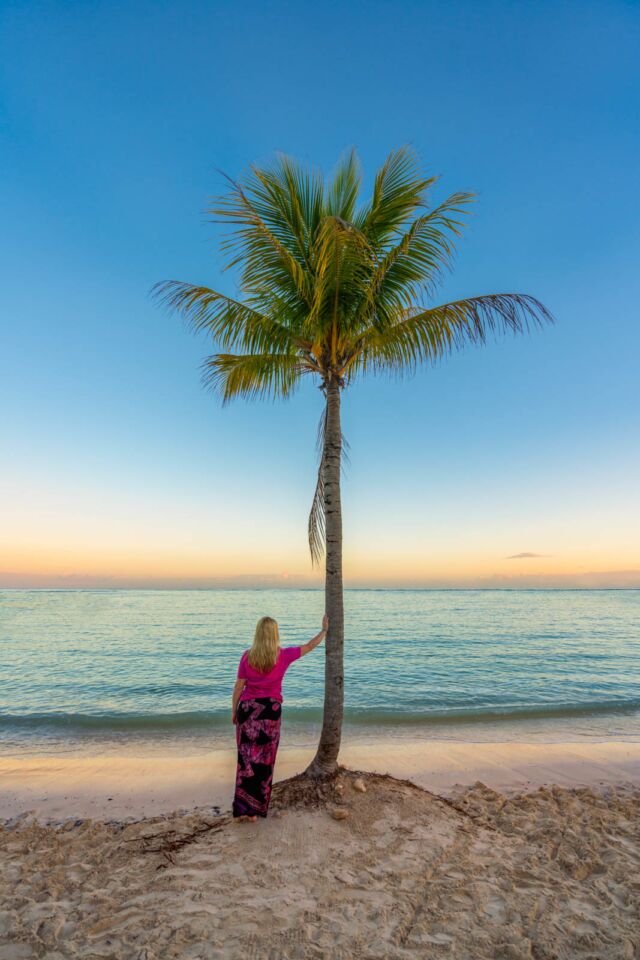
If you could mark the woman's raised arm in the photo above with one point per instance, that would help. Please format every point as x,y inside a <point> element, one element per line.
<point>319,637</point>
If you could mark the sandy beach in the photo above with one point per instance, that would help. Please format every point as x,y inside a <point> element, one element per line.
<point>540,859</point>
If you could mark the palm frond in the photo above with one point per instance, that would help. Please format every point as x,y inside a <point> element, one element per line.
<point>472,319</point>
<point>297,193</point>
<point>265,251</point>
<point>399,189</point>
<point>342,257</point>
<point>428,335</point>
<point>414,265</point>
<point>230,322</point>
<point>261,375</point>
<point>342,194</point>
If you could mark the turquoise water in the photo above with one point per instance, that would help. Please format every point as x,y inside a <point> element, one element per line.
<point>156,667</point>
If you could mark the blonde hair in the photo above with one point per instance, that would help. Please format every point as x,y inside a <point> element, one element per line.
<point>266,646</point>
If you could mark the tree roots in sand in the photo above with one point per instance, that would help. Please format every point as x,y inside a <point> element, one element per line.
<point>170,841</point>
<point>295,793</point>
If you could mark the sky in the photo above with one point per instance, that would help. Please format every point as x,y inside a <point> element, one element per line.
<point>515,464</point>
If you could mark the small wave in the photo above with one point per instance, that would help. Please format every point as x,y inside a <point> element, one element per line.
<point>489,714</point>
<point>88,722</point>
<point>80,724</point>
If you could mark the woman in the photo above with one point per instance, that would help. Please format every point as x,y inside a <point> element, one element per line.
<point>256,707</point>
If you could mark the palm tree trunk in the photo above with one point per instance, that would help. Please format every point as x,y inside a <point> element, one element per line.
<point>325,761</point>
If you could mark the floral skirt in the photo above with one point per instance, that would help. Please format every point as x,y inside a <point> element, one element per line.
<point>257,736</point>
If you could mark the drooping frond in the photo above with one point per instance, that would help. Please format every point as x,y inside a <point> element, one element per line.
<point>259,375</point>
<point>428,335</point>
<point>316,526</point>
<point>472,319</point>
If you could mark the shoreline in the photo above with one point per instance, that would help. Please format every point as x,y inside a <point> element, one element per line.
<point>125,786</point>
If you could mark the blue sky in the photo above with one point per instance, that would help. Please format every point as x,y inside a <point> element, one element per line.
<point>116,120</point>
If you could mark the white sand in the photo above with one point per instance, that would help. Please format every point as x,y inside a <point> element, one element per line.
<point>552,875</point>
<point>129,786</point>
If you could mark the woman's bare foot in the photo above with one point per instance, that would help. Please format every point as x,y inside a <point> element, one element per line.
<point>245,819</point>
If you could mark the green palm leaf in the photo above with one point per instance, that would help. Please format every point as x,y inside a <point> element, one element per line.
<point>252,376</point>
<point>429,335</point>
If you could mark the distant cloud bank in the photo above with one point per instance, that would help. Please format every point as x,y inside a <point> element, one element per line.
<point>78,581</point>
<point>592,580</point>
<point>527,556</point>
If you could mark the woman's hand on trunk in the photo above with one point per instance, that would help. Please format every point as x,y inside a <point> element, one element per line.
<point>307,647</point>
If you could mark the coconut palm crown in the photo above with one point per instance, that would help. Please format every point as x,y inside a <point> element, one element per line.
<point>333,287</point>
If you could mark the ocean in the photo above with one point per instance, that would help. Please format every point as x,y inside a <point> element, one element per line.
<point>86,671</point>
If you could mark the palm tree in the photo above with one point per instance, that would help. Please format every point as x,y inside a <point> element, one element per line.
<point>333,288</point>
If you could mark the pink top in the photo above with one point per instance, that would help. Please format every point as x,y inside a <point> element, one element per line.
<point>266,684</point>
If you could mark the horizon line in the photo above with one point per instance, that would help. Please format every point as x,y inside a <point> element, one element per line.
<point>319,589</point>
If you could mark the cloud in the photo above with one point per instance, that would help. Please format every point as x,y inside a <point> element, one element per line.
<point>527,556</point>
